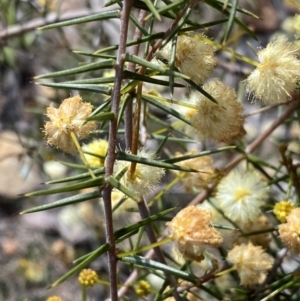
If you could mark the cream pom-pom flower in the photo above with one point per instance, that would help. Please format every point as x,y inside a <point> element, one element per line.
<point>276,74</point>
<point>145,177</point>
<point>192,232</point>
<point>194,57</point>
<point>241,194</point>
<point>290,231</point>
<point>251,262</point>
<point>260,224</point>
<point>221,122</point>
<point>68,118</point>
<point>193,181</point>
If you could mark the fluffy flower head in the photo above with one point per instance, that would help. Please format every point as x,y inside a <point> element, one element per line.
<point>194,57</point>
<point>145,177</point>
<point>97,147</point>
<point>221,122</point>
<point>241,194</point>
<point>260,224</point>
<point>282,209</point>
<point>196,180</point>
<point>251,262</point>
<point>277,72</point>
<point>69,117</point>
<point>192,232</point>
<point>290,232</point>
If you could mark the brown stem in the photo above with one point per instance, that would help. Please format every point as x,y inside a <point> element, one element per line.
<point>111,155</point>
<point>264,109</point>
<point>290,167</point>
<point>131,67</point>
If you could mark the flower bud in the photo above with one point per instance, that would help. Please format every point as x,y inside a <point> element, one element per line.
<point>88,277</point>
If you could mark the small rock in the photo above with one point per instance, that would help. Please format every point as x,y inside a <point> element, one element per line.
<point>18,171</point>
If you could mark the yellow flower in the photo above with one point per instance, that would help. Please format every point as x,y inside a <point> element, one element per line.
<point>192,232</point>
<point>290,232</point>
<point>99,148</point>
<point>122,208</point>
<point>241,194</point>
<point>296,26</point>
<point>251,262</point>
<point>282,209</point>
<point>54,298</point>
<point>88,277</point>
<point>69,117</point>
<point>277,72</point>
<point>221,122</point>
<point>194,57</point>
<point>145,177</point>
<point>196,180</point>
<point>143,288</point>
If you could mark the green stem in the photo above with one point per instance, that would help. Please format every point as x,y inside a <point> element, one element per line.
<point>82,156</point>
<point>225,272</point>
<point>83,292</point>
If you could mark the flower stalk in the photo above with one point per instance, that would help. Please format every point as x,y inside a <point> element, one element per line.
<point>81,154</point>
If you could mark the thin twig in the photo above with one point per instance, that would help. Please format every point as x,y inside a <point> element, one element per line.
<point>267,108</point>
<point>15,30</point>
<point>111,155</point>
<point>131,67</point>
<point>291,168</point>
